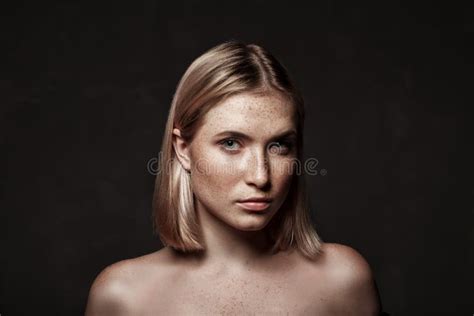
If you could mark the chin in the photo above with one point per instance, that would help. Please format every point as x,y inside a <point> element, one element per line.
<point>251,224</point>
<point>251,228</point>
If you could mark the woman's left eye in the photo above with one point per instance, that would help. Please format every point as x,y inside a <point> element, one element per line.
<point>281,147</point>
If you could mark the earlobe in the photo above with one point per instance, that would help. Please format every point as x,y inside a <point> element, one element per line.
<point>181,149</point>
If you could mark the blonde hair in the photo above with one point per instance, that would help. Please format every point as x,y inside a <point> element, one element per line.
<point>224,70</point>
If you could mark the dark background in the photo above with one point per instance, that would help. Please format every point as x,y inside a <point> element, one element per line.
<point>85,92</point>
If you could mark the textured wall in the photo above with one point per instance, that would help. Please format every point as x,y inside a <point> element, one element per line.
<point>85,91</point>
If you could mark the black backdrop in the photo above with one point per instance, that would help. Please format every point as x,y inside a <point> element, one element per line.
<point>85,90</point>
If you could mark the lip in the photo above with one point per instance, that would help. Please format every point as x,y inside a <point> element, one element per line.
<point>254,205</point>
<point>256,199</point>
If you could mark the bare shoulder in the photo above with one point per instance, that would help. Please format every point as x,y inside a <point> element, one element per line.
<point>346,262</point>
<point>115,289</point>
<point>352,286</point>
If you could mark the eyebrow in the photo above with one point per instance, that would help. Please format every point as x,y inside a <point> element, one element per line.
<point>289,133</point>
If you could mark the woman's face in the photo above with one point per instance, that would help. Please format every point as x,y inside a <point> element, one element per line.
<point>244,149</point>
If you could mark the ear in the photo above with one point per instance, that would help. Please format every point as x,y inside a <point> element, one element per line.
<point>181,148</point>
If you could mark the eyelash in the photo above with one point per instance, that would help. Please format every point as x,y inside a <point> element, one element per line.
<point>287,144</point>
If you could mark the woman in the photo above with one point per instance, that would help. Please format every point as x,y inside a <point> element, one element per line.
<point>229,206</point>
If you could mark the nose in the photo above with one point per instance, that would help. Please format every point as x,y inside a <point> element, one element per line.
<point>258,170</point>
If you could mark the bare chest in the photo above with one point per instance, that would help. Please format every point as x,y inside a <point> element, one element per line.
<point>288,294</point>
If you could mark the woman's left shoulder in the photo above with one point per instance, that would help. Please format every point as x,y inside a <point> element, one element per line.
<point>345,261</point>
<point>350,279</point>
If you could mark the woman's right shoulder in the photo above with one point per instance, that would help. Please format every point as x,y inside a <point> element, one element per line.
<point>115,287</point>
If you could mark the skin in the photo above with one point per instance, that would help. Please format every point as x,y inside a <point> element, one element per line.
<point>237,274</point>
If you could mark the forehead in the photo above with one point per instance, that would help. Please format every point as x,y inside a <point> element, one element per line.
<point>258,115</point>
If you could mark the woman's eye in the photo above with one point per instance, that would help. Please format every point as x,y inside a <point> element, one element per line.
<point>230,144</point>
<point>280,148</point>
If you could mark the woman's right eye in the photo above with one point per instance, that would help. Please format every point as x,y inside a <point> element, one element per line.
<point>229,144</point>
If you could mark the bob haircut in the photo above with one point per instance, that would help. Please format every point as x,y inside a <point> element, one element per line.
<point>226,69</point>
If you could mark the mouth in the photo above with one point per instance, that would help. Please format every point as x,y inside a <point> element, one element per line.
<point>253,205</point>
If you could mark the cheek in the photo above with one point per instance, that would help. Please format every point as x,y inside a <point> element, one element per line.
<point>212,176</point>
<point>282,173</point>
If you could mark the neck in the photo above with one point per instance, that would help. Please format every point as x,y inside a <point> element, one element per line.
<point>227,246</point>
